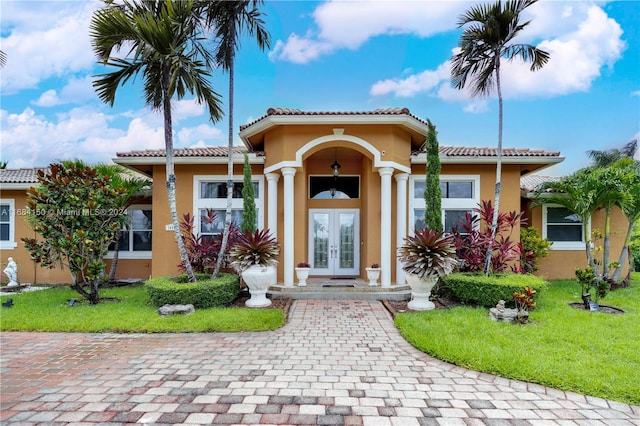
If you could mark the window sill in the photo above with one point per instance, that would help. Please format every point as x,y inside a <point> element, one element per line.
<point>130,255</point>
<point>8,245</point>
<point>564,246</point>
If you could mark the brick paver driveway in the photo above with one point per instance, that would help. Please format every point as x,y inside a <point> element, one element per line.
<point>335,362</point>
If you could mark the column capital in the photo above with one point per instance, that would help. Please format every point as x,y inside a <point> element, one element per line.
<point>288,171</point>
<point>272,176</point>
<point>386,171</point>
<point>401,177</point>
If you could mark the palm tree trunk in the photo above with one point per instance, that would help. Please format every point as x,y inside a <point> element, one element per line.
<point>607,242</point>
<point>496,204</point>
<point>171,183</point>
<point>227,218</point>
<point>116,256</point>
<point>624,254</point>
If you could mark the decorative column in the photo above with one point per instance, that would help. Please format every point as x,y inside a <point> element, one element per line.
<point>401,221</point>
<point>272,203</point>
<point>385,226</point>
<point>287,245</point>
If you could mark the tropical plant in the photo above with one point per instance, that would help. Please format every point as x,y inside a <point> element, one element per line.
<point>525,301</point>
<point>162,41</point>
<point>228,20</point>
<point>203,250</point>
<point>3,59</point>
<point>3,165</point>
<point>303,265</point>
<point>76,213</point>
<point>491,28</point>
<point>254,248</point>
<point>609,157</point>
<point>432,191</point>
<point>533,248</point>
<point>428,253</point>
<point>583,193</point>
<point>248,200</point>
<point>473,240</point>
<point>634,247</point>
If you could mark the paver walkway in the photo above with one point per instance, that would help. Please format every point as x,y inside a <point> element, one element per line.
<point>335,362</point>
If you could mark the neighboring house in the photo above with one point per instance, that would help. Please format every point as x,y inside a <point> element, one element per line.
<point>339,190</point>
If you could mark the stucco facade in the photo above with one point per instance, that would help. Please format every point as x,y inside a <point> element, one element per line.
<point>340,225</point>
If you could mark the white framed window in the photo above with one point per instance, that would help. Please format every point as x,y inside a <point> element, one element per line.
<point>460,194</point>
<point>7,224</point>
<point>563,227</point>
<point>210,192</point>
<point>136,234</point>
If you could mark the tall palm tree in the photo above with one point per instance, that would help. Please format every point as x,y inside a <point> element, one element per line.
<point>3,59</point>
<point>229,19</point>
<point>162,42</point>
<point>488,38</point>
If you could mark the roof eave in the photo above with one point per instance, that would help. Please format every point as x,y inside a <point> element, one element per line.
<point>17,185</point>
<point>445,159</point>
<point>140,161</point>
<point>275,120</point>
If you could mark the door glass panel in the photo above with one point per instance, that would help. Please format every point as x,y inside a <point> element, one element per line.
<point>347,240</point>
<point>320,241</point>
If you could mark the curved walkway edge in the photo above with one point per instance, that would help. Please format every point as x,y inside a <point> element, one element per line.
<point>336,362</point>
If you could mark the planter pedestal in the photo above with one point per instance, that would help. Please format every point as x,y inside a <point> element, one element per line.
<point>373,274</point>
<point>258,279</point>
<point>421,291</point>
<point>302,274</point>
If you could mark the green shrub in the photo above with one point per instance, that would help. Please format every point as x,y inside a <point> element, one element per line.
<point>206,293</point>
<point>488,291</point>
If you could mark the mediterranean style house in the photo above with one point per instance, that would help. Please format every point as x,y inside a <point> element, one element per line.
<point>339,190</point>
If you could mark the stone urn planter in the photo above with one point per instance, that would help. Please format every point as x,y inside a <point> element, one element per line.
<point>373,275</point>
<point>302,273</point>
<point>258,278</point>
<point>426,257</point>
<point>421,291</point>
<point>255,256</point>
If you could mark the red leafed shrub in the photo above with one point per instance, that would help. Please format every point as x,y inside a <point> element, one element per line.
<point>472,240</point>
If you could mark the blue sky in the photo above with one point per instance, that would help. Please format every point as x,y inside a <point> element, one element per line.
<point>327,56</point>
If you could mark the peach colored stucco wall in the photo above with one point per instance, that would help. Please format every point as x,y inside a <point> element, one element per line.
<point>561,264</point>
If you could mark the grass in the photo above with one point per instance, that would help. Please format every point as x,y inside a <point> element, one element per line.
<point>48,310</point>
<point>594,354</point>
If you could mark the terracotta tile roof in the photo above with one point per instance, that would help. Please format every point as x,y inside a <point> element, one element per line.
<point>209,151</point>
<point>464,151</point>
<point>290,111</point>
<point>20,175</point>
<point>532,182</point>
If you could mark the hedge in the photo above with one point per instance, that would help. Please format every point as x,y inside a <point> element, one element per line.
<point>488,291</point>
<point>205,293</point>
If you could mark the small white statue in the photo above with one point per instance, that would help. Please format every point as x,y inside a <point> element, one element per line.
<point>500,306</point>
<point>11,271</point>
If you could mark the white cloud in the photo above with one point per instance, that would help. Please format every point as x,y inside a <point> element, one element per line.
<point>425,81</point>
<point>348,25</point>
<point>47,99</point>
<point>636,93</point>
<point>38,48</point>
<point>30,139</point>
<point>76,91</point>
<point>584,41</point>
<point>202,135</point>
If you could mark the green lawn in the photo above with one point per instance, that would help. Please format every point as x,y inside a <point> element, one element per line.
<point>48,310</point>
<point>590,353</point>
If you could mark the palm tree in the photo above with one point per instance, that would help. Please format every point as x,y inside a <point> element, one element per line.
<point>162,42</point>
<point>3,59</point>
<point>229,19</point>
<point>488,38</point>
<point>623,159</point>
<point>607,158</point>
<point>576,193</point>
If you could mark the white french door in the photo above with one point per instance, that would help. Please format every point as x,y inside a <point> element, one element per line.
<point>334,241</point>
